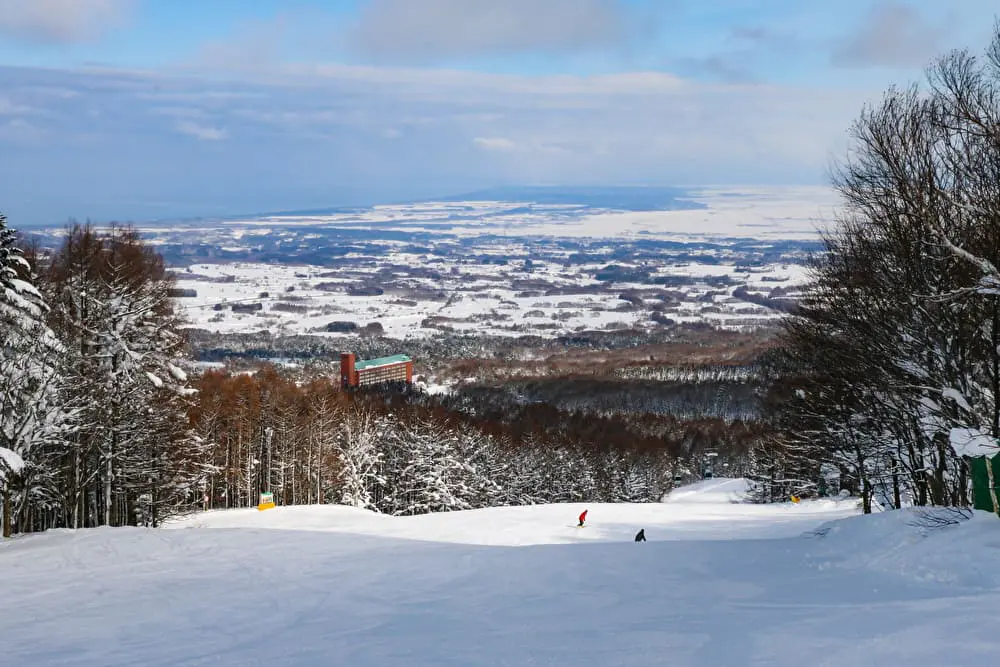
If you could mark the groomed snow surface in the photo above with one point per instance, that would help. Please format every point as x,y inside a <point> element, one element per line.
<point>720,583</point>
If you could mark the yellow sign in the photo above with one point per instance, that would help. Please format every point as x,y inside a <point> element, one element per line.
<point>266,501</point>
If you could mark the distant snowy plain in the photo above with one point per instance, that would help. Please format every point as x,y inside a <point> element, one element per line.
<point>506,268</point>
<point>720,583</point>
<point>758,212</point>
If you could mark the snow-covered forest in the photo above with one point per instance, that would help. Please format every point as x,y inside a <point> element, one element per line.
<point>92,402</point>
<point>314,444</point>
<point>407,452</point>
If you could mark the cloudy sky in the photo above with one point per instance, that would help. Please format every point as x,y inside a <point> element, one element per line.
<point>144,109</point>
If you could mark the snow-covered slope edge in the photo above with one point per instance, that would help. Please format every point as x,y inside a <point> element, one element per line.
<point>941,545</point>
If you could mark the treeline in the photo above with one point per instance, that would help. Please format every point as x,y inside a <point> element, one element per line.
<point>451,353</point>
<point>93,403</point>
<point>710,399</point>
<point>687,441</point>
<point>409,453</point>
<point>731,373</point>
<point>892,365</point>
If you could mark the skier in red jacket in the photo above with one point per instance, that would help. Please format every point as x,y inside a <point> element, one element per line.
<point>583,517</point>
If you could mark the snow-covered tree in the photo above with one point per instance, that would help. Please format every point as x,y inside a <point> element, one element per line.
<point>485,466</point>
<point>361,459</point>
<point>31,416</point>
<point>638,481</point>
<point>112,310</point>
<point>523,477</point>
<point>434,477</point>
<point>568,475</point>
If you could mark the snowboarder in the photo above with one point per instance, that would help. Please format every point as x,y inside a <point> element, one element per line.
<point>641,535</point>
<point>583,517</point>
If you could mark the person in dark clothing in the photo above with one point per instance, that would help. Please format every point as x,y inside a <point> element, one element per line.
<point>641,535</point>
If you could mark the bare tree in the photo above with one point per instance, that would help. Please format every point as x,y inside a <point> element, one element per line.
<point>896,344</point>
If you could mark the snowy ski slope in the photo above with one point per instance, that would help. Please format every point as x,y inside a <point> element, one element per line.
<point>719,584</point>
<point>705,511</point>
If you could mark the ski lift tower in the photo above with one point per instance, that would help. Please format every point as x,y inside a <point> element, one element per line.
<point>708,471</point>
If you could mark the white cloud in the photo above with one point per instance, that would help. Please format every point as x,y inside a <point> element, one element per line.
<point>457,132</point>
<point>433,30</point>
<point>629,125</point>
<point>891,34</point>
<point>253,44</point>
<point>61,21</point>
<point>19,130</point>
<point>455,85</point>
<point>10,108</point>
<point>203,132</point>
<point>498,144</point>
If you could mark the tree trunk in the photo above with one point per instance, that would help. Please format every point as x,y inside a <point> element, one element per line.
<point>866,486</point>
<point>7,529</point>
<point>319,471</point>
<point>230,474</point>
<point>107,492</point>
<point>153,518</point>
<point>938,490</point>
<point>866,496</point>
<point>896,500</point>
<point>995,359</point>
<point>962,496</point>
<point>77,492</point>
<point>919,477</point>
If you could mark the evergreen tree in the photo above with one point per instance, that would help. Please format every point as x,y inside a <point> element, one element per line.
<point>433,477</point>
<point>486,467</point>
<point>111,307</point>
<point>30,414</point>
<point>361,461</point>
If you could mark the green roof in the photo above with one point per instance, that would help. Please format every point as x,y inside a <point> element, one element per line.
<point>381,361</point>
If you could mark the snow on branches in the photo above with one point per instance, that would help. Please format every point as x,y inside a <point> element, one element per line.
<point>92,400</point>
<point>897,344</point>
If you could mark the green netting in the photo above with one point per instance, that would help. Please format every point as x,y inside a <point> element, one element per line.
<point>982,499</point>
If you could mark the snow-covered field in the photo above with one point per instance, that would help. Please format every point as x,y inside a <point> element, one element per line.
<point>719,584</point>
<point>487,299</point>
